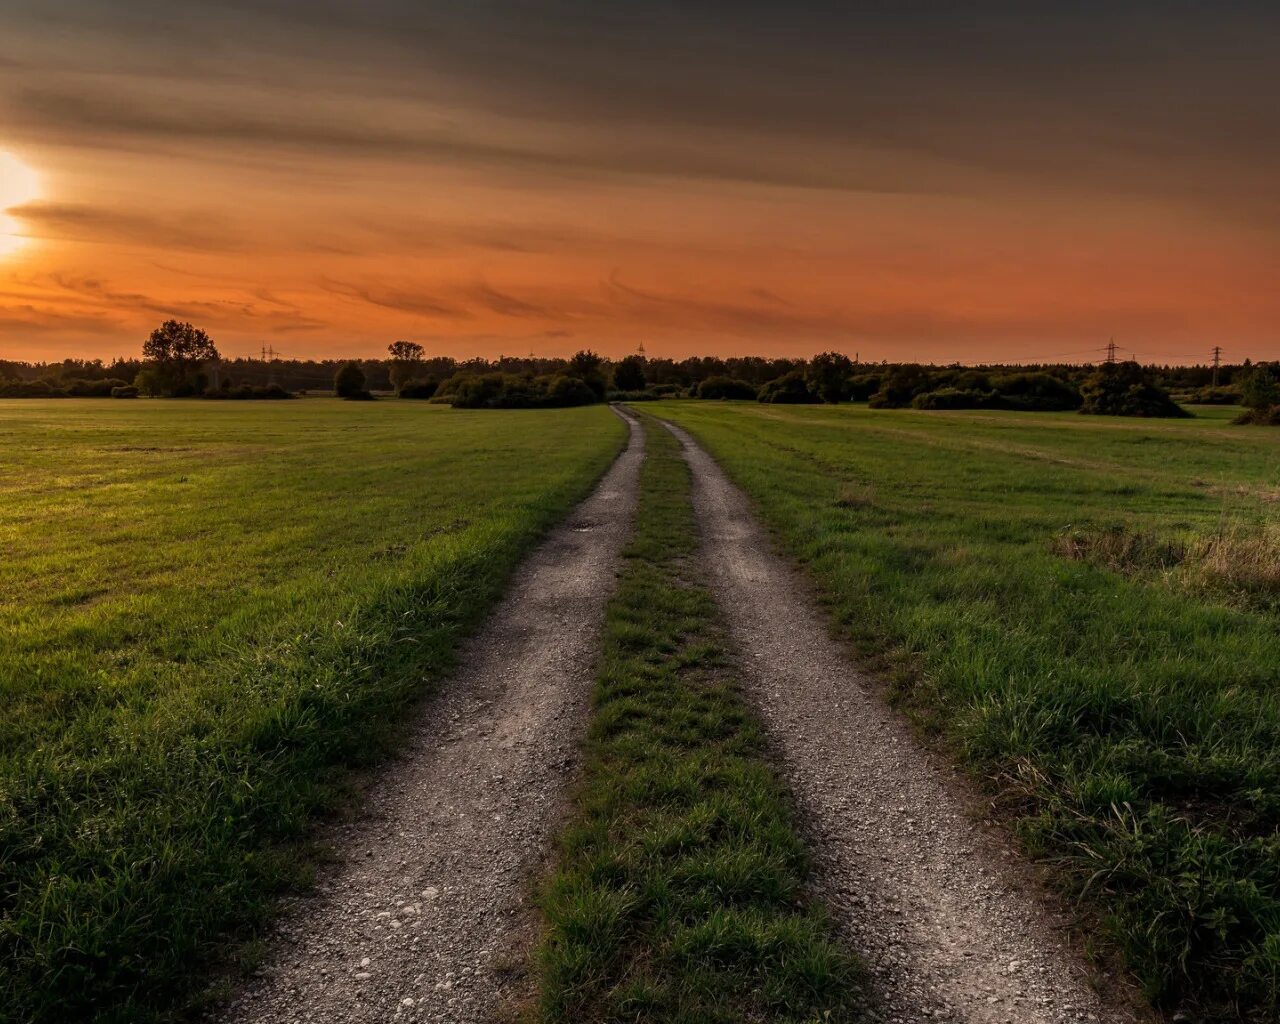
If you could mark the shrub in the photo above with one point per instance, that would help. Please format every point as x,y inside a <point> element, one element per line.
<point>955,398</point>
<point>148,381</point>
<point>247,392</point>
<point>513,391</point>
<point>419,389</point>
<point>1126,389</point>
<point>789,389</point>
<point>862,386</point>
<point>1213,396</point>
<point>124,391</point>
<point>901,385</point>
<point>631,396</point>
<point>31,389</point>
<point>92,388</point>
<point>566,391</point>
<point>1260,395</point>
<point>1037,392</point>
<point>349,381</point>
<point>726,387</point>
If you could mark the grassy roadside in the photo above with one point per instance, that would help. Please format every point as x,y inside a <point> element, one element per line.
<point>679,896</point>
<point>208,615</point>
<point>1127,712</point>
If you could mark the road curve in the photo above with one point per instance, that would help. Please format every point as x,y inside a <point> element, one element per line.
<point>424,912</point>
<point>947,920</point>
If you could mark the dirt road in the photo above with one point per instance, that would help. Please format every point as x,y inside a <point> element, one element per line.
<point>948,921</point>
<point>424,912</point>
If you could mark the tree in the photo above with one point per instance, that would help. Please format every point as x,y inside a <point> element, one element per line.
<point>178,351</point>
<point>585,365</point>
<point>1260,395</point>
<point>789,389</point>
<point>406,356</point>
<point>628,374</point>
<point>1126,389</point>
<point>828,375</point>
<point>1260,390</point>
<point>348,382</point>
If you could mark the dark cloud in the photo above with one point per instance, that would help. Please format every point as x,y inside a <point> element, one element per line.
<point>399,299</point>
<point>83,223</point>
<point>1175,99</point>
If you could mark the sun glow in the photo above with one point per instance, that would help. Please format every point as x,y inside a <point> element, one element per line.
<point>18,185</point>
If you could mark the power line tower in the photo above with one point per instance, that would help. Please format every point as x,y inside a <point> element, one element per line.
<point>1217,362</point>
<point>1111,351</point>
<point>640,350</point>
<point>269,357</point>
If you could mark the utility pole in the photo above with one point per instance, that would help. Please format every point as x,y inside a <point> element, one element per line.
<point>1111,351</point>
<point>1217,362</point>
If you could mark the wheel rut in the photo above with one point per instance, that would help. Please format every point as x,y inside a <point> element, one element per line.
<point>423,916</point>
<point>948,919</point>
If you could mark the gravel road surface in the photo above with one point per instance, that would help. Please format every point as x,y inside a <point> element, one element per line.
<point>424,917</point>
<point>946,917</point>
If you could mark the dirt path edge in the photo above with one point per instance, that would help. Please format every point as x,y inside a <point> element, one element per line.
<point>424,912</point>
<point>951,925</point>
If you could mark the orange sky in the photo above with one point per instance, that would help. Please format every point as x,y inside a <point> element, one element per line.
<point>491,181</point>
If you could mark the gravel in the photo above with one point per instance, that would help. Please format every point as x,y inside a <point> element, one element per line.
<point>948,920</point>
<point>424,916</point>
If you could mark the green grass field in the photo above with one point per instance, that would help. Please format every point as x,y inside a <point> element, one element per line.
<point>680,894</point>
<point>207,612</point>
<point>1086,611</point>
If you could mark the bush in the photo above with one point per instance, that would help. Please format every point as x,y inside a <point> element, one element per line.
<point>92,388</point>
<point>1211,396</point>
<point>124,391</point>
<point>1036,392</point>
<point>955,398</point>
<point>1260,395</point>
<point>566,391</point>
<point>631,396</point>
<point>247,392</point>
<point>31,389</point>
<point>419,389</point>
<point>862,386</point>
<point>517,391</point>
<point>901,386</point>
<point>726,388</point>
<point>789,389</point>
<point>1126,389</point>
<point>349,382</point>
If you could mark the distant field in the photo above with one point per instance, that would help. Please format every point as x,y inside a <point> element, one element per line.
<point>1088,611</point>
<point>206,610</point>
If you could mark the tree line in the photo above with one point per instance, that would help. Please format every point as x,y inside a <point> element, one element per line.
<point>181,360</point>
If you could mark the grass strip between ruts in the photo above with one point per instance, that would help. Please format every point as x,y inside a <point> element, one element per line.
<point>680,891</point>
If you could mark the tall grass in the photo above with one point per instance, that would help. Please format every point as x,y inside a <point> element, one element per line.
<point>1060,601</point>
<point>210,614</point>
<point>680,892</point>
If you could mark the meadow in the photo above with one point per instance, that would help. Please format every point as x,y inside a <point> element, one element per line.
<point>209,614</point>
<point>1084,612</point>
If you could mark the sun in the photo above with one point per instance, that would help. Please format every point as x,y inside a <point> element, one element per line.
<point>18,185</point>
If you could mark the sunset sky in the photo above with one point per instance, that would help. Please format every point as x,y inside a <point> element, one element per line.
<point>945,181</point>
